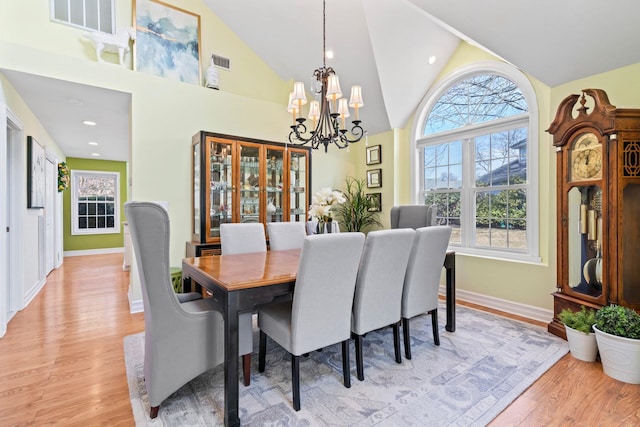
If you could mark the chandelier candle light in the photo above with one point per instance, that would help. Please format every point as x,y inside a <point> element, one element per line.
<point>329,111</point>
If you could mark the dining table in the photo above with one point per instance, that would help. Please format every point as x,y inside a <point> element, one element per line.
<point>239,282</point>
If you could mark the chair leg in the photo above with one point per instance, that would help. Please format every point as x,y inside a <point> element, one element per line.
<point>407,339</point>
<point>262,352</point>
<point>154,411</point>
<point>246,369</point>
<point>295,379</point>
<point>434,325</point>
<point>357,339</point>
<point>346,366</point>
<point>396,342</point>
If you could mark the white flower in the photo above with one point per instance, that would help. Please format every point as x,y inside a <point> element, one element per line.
<point>323,201</point>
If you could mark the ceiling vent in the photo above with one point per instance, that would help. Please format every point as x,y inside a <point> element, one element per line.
<point>221,62</point>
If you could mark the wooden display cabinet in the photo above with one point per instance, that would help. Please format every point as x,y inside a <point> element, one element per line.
<point>238,179</point>
<point>598,204</point>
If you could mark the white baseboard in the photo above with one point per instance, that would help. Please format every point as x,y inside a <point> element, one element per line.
<point>135,306</point>
<point>33,292</point>
<point>524,310</point>
<point>94,252</point>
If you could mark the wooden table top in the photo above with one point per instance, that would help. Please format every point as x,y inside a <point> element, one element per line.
<point>242,271</point>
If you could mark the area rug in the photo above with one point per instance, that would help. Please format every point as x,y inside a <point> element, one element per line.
<point>475,373</point>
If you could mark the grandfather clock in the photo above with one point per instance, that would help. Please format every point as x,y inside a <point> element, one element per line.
<point>598,202</point>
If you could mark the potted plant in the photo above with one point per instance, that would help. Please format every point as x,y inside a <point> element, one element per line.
<point>355,213</point>
<point>618,335</point>
<point>580,335</point>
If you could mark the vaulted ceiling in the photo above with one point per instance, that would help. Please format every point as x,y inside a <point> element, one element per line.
<point>384,45</point>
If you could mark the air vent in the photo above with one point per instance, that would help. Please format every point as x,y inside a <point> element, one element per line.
<point>221,62</point>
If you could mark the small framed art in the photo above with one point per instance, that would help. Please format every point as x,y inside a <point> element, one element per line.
<point>35,174</point>
<point>374,155</point>
<point>374,178</point>
<point>374,201</point>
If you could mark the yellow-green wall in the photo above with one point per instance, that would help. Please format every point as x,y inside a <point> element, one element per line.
<point>96,241</point>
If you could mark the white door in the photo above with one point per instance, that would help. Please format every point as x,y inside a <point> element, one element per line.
<point>51,185</point>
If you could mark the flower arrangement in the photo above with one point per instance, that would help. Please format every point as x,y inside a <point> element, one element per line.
<point>322,204</point>
<point>63,176</point>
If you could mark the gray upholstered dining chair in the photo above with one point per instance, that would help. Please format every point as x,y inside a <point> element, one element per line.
<point>379,287</point>
<point>422,279</point>
<point>286,235</point>
<point>319,315</point>
<point>242,238</point>
<point>413,216</point>
<point>181,340</point>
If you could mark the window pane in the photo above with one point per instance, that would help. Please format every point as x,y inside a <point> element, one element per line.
<point>455,176</point>
<point>61,10</point>
<point>91,14</point>
<point>77,12</point>
<point>429,178</point>
<point>478,99</point>
<point>106,21</point>
<point>101,222</point>
<point>455,152</point>
<point>82,222</point>
<point>111,221</point>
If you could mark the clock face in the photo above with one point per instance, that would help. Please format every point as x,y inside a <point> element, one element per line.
<point>586,158</point>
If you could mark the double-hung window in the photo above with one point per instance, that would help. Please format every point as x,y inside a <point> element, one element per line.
<point>95,207</point>
<point>474,162</point>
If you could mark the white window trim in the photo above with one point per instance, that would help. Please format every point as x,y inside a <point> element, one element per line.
<point>74,204</point>
<point>507,71</point>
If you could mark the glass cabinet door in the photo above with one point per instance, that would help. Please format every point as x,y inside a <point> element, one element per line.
<point>249,179</point>
<point>220,184</point>
<point>298,185</point>
<point>275,184</point>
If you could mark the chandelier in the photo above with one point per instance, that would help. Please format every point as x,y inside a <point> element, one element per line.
<point>328,112</point>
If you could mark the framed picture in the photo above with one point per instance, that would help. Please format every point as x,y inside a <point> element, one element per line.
<point>167,41</point>
<point>374,178</point>
<point>375,202</point>
<point>35,174</point>
<point>374,155</point>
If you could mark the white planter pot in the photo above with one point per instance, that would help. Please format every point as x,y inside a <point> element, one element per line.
<point>620,357</point>
<point>582,346</point>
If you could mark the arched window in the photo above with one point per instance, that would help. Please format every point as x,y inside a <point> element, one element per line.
<point>475,159</point>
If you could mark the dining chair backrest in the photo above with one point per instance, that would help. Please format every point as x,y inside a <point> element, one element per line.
<point>380,279</point>
<point>286,235</point>
<point>413,216</point>
<point>242,238</point>
<point>422,279</point>
<point>149,229</point>
<point>323,293</point>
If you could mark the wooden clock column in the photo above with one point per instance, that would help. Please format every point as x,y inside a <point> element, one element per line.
<point>598,204</point>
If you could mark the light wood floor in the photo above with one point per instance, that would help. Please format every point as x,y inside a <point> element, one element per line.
<point>62,362</point>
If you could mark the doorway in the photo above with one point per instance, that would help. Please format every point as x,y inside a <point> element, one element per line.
<point>51,187</point>
<point>11,179</point>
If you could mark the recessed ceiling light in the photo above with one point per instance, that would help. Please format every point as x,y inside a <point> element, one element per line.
<point>89,123</point>
<point>95,154</point>
<point>432,60</point>
<point>329,54</point>
<point>93,143</point>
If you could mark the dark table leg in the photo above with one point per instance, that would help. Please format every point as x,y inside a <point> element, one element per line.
<point>450,266</point>
<point>231,392</point>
